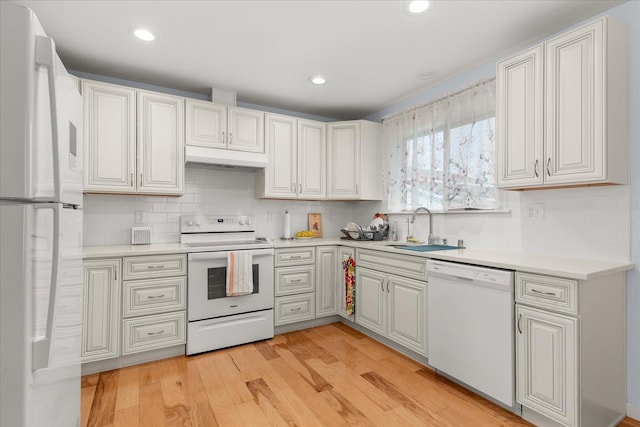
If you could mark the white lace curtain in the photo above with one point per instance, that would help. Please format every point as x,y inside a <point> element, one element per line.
<point>441,155</point>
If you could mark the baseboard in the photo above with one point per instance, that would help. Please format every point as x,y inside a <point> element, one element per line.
<point>131,359</point>
<point>633,411</point>
<point>283,329</point>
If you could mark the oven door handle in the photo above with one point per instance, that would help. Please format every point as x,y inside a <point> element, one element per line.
<point>203,256</point>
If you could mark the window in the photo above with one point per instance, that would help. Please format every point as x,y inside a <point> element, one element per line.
<point>441,155</point>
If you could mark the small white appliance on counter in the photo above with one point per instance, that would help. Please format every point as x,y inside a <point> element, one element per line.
<point>41,228</point>
<point>215,319</point>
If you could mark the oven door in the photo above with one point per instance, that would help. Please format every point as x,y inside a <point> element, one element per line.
<point>207,285</point>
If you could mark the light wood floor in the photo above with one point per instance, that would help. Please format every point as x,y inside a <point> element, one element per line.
<point>326,376</point>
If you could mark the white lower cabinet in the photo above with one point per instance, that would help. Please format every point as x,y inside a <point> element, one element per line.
<point>295,285</point>
<point>101,309</point>
<point>393,306</point>
<point>152,332</point>
<point>133,304</point>
<point>570,349</point>
<point>305,283</point>
<point>547,360</point>
<point>155,303</point>
<point>326,280</point>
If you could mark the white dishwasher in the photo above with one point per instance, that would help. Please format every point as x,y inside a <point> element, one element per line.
<point>471,327</point>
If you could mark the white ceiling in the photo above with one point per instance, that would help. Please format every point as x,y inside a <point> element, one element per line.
<point>369,51</point>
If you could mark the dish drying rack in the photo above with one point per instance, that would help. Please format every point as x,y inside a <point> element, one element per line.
<point>362,234</point>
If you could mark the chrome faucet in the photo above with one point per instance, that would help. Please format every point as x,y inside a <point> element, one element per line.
<point>432,239</point>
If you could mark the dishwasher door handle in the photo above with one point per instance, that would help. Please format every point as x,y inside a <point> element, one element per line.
<point>462,279</point>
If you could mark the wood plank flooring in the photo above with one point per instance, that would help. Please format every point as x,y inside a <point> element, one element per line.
<point>326,376</point>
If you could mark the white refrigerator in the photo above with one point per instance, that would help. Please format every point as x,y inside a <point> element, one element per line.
<point>40,228</point>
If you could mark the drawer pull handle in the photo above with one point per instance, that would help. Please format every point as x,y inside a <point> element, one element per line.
<point>295,257</point>
<point>156,333</point>
<point>233,306</point>
<point>295,281</point>
<point>154,267</point>
<point>296,309</point>
<point>535,291</point>
<point>155,296</point>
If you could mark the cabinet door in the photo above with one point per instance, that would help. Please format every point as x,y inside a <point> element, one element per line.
<point>519,121</point>
<point>280,175</point>
<point>206,124</point>
<point>575,106</point>
<point>371,299</point>
<point>312,159</point>
<point>408,313</point>
<point>341,289</point>
<point>344,160</point>
<point>326,280</point>
<point>110,139</point>
<point>246,130</point>
<point>160,143</point>
<point>546,356</point>
<point>101,310</point>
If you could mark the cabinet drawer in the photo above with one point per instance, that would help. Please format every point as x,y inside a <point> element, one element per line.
<point>553,293</point>
<point>294,308</point>
<point>400,264</point>
<point>295,280</point>
<point>154,296</point>
<point>153,332</point>
<point>146,267</point>
<point>295,256</point>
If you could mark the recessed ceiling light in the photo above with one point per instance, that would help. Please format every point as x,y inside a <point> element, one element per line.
<point>417,7</point>
<point>317,80</point>
<point>426,74</point>
<point>143,34</point>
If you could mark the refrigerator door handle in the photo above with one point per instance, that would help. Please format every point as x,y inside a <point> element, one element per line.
<point>42,345</point>
<point>45,54</point>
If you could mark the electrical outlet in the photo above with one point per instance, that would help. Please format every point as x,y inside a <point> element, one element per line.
<point>269,216</point>
<point>535,211</point>
<point>141,217</point>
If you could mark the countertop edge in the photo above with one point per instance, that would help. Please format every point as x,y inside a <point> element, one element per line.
<point>570,268</point>
<point>117,251</point>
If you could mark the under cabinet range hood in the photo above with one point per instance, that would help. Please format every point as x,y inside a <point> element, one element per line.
<point>224,157</point>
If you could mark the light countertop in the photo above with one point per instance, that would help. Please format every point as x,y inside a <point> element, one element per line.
<point>90,252</point>
<point>571,268</point>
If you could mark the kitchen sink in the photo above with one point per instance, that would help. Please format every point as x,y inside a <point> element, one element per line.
<point>426,248</point>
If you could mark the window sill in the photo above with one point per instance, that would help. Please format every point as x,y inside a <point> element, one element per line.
<point>455,212</point>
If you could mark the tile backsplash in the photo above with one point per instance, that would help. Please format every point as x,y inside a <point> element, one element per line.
<point>578,222</point>
<point>208,190</point>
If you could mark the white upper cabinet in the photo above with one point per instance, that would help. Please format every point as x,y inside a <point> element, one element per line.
<point>160,143</point>
<point>206,124</point>
<point>354,165</point>
<point>134,141</point>
<point>110,138</point>
<point>519,119</point>
<point>312,159</point>
<point>213,125</point>
<point>562,110</point>
<point>246,130</point>
<point>296,150</point>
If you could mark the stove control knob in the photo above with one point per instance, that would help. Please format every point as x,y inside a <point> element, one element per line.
<point>241,222</point>
<point>248,221</point>
<point>189,222</point>
<point>197,223</point>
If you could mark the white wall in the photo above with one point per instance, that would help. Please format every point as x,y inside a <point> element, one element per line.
<point>591,222</point>
<point>209,190</point>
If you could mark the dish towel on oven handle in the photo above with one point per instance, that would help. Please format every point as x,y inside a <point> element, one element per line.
<point>349,267</point>
<point>239,273</point>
